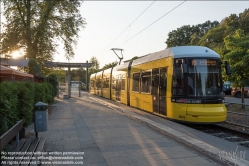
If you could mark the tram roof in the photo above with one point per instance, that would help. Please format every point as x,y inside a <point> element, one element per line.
<point>107,70</point>
<point>192,51</point>
<point>178,52</point>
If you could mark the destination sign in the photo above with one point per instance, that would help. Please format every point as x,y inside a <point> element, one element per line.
<point>203,62</point>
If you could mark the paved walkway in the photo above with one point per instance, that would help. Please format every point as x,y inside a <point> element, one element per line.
<point>106,137</point>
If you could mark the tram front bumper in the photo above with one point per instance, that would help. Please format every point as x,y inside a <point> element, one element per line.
<point>207,110</point>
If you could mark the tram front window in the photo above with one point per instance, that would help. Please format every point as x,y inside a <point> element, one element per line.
<point>204,78</point>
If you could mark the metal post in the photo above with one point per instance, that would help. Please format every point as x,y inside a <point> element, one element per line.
<point>58,81</point>
<point>87,76</point>
<point>79,87</point>
<point>36,134</point>
<point>246,114</point>
<point>69,83</point>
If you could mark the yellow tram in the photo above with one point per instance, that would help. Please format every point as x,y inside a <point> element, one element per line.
<point>181,83</point>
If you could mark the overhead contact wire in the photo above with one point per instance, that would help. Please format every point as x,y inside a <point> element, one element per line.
<point>155,21</point>
<point>128,26</point>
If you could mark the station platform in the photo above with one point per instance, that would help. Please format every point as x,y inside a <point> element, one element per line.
<point>90,130</point>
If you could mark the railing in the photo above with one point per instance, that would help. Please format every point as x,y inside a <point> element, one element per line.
<point>237,113</point>
<point>10,134</point>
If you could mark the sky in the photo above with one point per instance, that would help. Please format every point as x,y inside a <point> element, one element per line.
<point>106,20</point>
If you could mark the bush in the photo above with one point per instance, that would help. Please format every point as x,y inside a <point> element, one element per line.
<point>8,105</point>
<point>25,103</point>
<point>4,110</point>
<point>49,91</point>
<point>17,100</point>
<point>52,79</point>
<point>39,93</point>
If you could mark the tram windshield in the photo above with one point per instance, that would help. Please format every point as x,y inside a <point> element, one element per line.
<point>204,78</point>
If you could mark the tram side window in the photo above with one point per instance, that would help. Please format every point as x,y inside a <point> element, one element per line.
<point>92,83</point>
<point>107,83</point>
<point>118,83</point>
<point>146,82</point>
<point>113,83</point>
<point>98,83</point>
<point>135,82</point>
<point>178,81</point>
<point>123,83</point>
<point>104,82</point>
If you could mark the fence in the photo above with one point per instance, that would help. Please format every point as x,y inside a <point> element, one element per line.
<point>237,113</point>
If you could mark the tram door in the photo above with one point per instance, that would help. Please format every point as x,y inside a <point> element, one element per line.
<point>118,87</point>
<point>159,84</point>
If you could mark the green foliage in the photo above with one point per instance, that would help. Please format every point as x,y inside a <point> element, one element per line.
<point>39,92</point>
<point>214,38</point>
<point>9,102</point>
<point>134,58</point>
<point>49,92</point>
<point>17,101</point>
<point>79,74</point>
<point>4,110</point>
<point>52,79</point>
<point>179,37</point>
<point>34,68</point>
<point>212,35</point>
<point>35,27</point>
<point>8,106</point>
<point>60,73</point>
<point>238,57</point>
<point>109,65</point>
<point>95,66</point>
<point>244,21</point>
<point>189,35</point>
<point>25,103</point>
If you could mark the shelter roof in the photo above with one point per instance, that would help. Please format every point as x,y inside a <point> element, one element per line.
<point>67,64</point>
<point>14,62</point>
<point>7,70</point>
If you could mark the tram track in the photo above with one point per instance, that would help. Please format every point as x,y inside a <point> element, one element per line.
<point>223,131</point>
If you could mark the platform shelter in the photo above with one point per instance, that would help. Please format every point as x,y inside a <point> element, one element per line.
<point>69,66</point>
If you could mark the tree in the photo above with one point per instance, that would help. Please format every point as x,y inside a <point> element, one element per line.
<point>179,37</point>
<point>134,58</point>
<point>34,68</point>
<point>78,74</point>
<point>232,21</point>
<point>52,79</point>
<point>238,57</point>
<point>95,66</point>
<point>36,26</point>
<point>109,65</point>
<point>244,21</point>
<point>60,73</point>
<point>214,38</point>
<point>189,35</point>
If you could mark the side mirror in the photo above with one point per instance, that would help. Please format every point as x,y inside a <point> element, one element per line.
<point>227,67</point>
